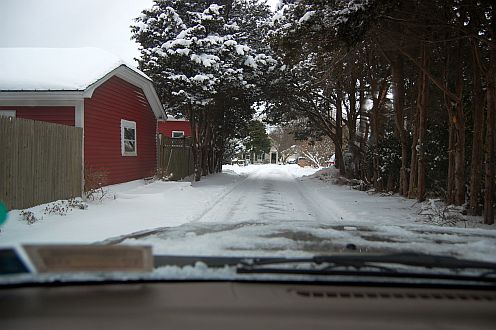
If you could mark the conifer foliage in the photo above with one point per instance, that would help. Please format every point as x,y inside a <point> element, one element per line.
<point>415,83</point>
<point>207,60</point>
<point>405,90</point>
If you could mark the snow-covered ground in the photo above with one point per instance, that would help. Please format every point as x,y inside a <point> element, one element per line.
<point>257,210</point>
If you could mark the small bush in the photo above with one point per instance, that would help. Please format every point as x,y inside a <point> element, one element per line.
<point>162,175</point>
<point>77,203</point>
<point>94,181</point>
<point>62,207</point>
<point>29,217</point>
<point>438,213</point>
<point>58,208</point>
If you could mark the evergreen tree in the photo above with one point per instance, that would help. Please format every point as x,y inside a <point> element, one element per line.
<point>258,141</point>
<point>419,75</point>
<point>207,62</point>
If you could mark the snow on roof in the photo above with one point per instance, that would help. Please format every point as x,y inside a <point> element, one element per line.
<point>55,68</point>
<point>172,118</point>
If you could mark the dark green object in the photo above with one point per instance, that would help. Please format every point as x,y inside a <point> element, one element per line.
<point>11,263</point>
<point>258,141</point>
<point>3,213</point>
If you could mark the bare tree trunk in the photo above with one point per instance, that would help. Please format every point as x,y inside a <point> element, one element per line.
<point>459,121</point>
<point>376,176</point>
<point>477,138</point>
<point>221,139</point>
<point>489,146</point>
<point>460,162</point>
<point>412,192</point>
<point>352,132</point>
<point>195,150</point>
<point>352,116</point>
<point>212,155</point>
<point>204,145</point>
<point>338,141</point>
<point>356,146</point>
<point>379,92</point>
<point>398,102</point>
<point>450,195</point>
<point>362,165</point>
<point>220,158</point>
<point>456,187</point>
<point>422,128</point>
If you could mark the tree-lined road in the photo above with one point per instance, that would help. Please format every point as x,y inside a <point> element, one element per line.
<point>274,210</point>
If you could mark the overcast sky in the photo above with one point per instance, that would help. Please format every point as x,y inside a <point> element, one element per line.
<point>72,23</point>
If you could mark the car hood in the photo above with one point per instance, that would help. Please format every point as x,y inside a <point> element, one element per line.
<point>297,238</point>
<point>185,252</point>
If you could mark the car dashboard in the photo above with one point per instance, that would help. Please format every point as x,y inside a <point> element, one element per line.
<point>244,305</point>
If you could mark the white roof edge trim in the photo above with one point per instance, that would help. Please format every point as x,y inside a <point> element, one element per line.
<point>136,79</point>
<point>41,95</point>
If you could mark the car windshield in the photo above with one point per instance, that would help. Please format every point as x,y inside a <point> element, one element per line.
<point>204,139</point>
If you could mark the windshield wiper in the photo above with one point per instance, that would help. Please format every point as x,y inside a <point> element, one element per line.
<point>375,265</point>
<point>362,260</point>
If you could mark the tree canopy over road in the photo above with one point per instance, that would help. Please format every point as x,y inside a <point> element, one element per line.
<point>405,90</point>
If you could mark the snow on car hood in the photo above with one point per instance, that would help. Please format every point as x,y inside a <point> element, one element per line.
<point>294,238</point>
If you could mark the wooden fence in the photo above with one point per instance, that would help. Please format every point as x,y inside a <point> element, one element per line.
<point>175,158</point>
<point>39,162</point>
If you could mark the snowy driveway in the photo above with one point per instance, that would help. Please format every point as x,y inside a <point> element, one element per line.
<point>269,193</point>
<point>258,210</point>
<point>275,210</point>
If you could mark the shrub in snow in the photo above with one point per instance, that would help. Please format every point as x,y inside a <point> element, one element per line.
<point>163,175</point>
<point>62,207</point>
<point>29,217</point>
<point>382,160</point>
<point>437,142</point>
<point>438,213</point>
<point>359,185</point>
<point>58,208</point>
<point>94,181</point>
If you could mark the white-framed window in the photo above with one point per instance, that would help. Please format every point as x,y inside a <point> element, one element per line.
<point>177,134</point>
<point>129,145</point>
<point>8,113</point>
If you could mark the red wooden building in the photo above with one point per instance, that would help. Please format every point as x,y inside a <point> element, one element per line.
<point>115,104</point>
<point>174,128</point>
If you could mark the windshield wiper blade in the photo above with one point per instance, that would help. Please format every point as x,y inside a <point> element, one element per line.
<point>363,265</point>
<point>368,274</point>
<point>375,265</point>
<point>371,260</point>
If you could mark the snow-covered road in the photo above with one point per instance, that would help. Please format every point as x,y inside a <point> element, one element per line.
<point>258,210</point>
<point>267,193</point>
<point>277,210</point>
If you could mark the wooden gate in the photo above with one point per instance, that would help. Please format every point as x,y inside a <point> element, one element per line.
<point>175,157</point>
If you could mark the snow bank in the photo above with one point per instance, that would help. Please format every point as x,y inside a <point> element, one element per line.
<point>255,210</point>
<point>126,208</point>
<point>327,174</point>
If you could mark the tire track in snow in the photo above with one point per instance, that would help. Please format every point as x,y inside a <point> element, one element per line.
<point>323,209</point>
<point>157,230</point>
<point>273,195</point>
<point>222,198</point>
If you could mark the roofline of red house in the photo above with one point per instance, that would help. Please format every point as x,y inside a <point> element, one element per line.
<point>76,97</point>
